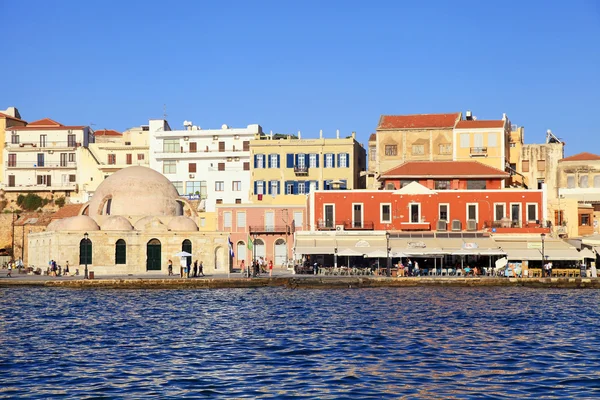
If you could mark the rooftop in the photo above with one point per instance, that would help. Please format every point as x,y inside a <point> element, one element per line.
<point>43,125</point>
<point>2,115</point>
<point>68,210</point>
<point>418,121</point>
<point>448,169</point>
<point>107,132</point>
<point>480,124</point>
<point>585,156</point>
<point>373,137</point>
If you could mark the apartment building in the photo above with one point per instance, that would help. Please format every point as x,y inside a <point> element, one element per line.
<point>210,164</point>
<point>8,118</point>
<point>284,169</point>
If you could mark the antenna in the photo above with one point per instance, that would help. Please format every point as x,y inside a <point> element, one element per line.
<point>165,111</point>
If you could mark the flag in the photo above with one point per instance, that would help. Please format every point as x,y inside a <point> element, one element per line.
<point>250,244</point>
<point>230,247</point>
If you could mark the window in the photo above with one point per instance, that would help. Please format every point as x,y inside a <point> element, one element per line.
<point>343,160</point>
<point>386,213</point>
<point>227,219</point>
<point>236,186</point>
<point>584,220</point>
<point>443,212</point>
<point>472,212</point>
<point>312,160</point>
<point>246,145</point>
<point>171,146</point>
<point>63,159</point>
<point>405,182</point>
<point>241,219</point>
<point>289,188</point>
<point>219,186</point>
<point>12,160</point>
<point>221,147</point>
<point>221,166</point>
<point>238,201</point>
<point>193,147</point>
<point>583,181</point>
<point>112,159</point>
<point>40,160</point>
<point>541,165</point>
<point>85,252</point>
<point>273,158</point>
<point>298,219</point>
<point>260,160</point>
<point>513,166</point>
<point>558,217</point>
<point>329,160</point>
<point>571,181</point>
<point>128,159</point>
<point>14,139</point>
<point>540,184</point>
<point>478,140</point>
<point>414,210</point>
<point>390,186</point>
<point>219,201</point>
<point>274,187</point>
<point>391,150</point>
<point>301,160</point>
<point>499,211</point>
<point>329,215</point>
<point>445,148</point>
<point>120,252</point>
<point>260,187</point>
<point>246,166</point>
<point>71,157</point>
<point>140,157</point>
<point>465,141</point>
<point>71,141</point>
<point>202,222</point>
<point>475,184</point>
<point>301,188</point>
<point>513,145</point>
<point>169,167</point>
<point>442,185</point>
<point>196,187</point>
<point>11,181</point>
<point>241,251</point>
<point>192,167</point>
<point>179,186</point>
<point>597,181</point>
<point>492,139</point>
<point>532,212</point>
<point>72,178</point>
<point>418,149</point>
<point>515,214</point>
<point>525,166</point>
<point>43,139</point>
<point>372,153</point>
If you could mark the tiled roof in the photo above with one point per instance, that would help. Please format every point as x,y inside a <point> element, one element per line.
<point>68,210</point>
<point>107,132</point>
<point>45,122</point>
<point>418,121</point>
<point>33,218</point>
<point>474,124</point>
<point>44,125</point>
<point>582,157</point>
<point>449,169</point>
<point>373,137</point>
<point>2,115</point>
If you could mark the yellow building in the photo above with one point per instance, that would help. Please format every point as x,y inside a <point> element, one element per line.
<point>9,117</point>
<point>283,170</point>
<point>483,141</point>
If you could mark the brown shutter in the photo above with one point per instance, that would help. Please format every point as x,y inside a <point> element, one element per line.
<point>192,167</point>
<point>129,159</point>
<point>246,145</point>
<point>221,147</point>
<point>193,148</point>
<point>221,166</point>
<point>246,166</point>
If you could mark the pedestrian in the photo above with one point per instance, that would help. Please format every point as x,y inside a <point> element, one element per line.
<point>417,271</point>
<point>9,274</point>
<point>243,266</point>
<point>170,267</point>
<point>201,269</point>
<point>195,268</point>
<point>410,267</point>
<point>66,272</point>
<point>270,268</point>
<point>182,265</point>
<point>550,269</point>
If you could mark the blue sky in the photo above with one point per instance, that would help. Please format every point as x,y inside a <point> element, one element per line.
<point>306,65</point>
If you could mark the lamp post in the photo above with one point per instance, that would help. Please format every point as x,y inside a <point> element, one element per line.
<point>388,270</point>
<point>254,236</point>
<point>543,236</point>
<point>13,234</point>
<point>85,259</point>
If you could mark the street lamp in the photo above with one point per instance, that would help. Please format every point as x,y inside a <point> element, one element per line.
<point>543,236</point>
<point>85,259</point>
<point>252,264</point>
<point>389,260</point>
<point>335,257</point>
<point>13,234</point>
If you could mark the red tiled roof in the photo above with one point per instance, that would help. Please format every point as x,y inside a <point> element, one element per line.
<point>474,124</point>
<point>585,156</point>
<point>418,121</point>
<point>45,122</point>
<point>44,125</point>
<point>2,115</point>
<point>107,132</point>
<point>68,210</point>
<point>373,137</point>
<point>449,169</point>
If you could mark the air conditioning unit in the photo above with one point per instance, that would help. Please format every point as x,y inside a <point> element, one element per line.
<point>456,225</point>
<point>471,225</point>
<point>339,228</point>
<point>192,176</point>
<point>442,226</point>
<point>21,144</point>
<point>186,138</point>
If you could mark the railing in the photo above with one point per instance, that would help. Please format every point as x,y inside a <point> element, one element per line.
<point>358,225</point>
<point>301,170</point>
<point>513,224</point>
<point>200,151</point>
<point>262,229</point>
<point>49,145</point>
<point>478,151</point>
<point>45,164</point>
<point>42,186</point>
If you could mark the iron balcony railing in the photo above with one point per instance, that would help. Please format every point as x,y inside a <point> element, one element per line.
<point>301,170</point>
<point>478,151</point>
<point>45,164</point>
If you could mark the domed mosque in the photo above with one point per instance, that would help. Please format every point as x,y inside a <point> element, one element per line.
<point>134,224</point>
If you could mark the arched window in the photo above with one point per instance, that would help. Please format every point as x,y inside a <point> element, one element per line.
<point>85,252</point>
<point>280,252</point>
<point>241,251</point>
<point>153,255</point>
<point>187,246</point>
<point>120,252</point>
<point>259,248</point>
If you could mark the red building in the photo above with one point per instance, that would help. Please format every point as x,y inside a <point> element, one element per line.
<point>444,175</point>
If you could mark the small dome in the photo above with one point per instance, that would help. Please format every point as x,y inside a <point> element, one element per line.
<point>182,224</point>
<point>79,223</point>
<point>150,223</point>
<point>117,223</point>
<point>55,225</point>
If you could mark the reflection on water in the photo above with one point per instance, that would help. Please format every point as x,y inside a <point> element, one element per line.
<point>368,343</point>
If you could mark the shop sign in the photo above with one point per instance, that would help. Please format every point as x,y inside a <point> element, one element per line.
<point>534,245</point>
<point>416,245</point>
<point>362,243</point>
<point>470,246</point>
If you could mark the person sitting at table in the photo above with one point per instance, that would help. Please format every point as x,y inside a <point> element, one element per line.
<point>468,270</point>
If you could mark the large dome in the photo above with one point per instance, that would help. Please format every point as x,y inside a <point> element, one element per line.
<point>136,191</point>
<point>78,223</point>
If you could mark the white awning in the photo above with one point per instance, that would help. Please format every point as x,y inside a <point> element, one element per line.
<point>416,246</point>
<point>536,254</point>
<point>310,245</point>
<point>587,253</point>
<point>471,246</point>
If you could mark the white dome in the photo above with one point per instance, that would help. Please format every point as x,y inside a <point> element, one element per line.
<point>136,191</point>
<point>150,224</point>
<point>78,223</point>
<point>116,223</point>
<point>182,224</point>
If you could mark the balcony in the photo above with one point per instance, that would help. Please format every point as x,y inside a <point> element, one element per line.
<point>44,165</point>
<point>508,226</point>
<point>478,151</point>
<point>69,186</point>
<point>47,146</point>
<point>267,229</point>
<point>345,225</point>
<point>301,171</point>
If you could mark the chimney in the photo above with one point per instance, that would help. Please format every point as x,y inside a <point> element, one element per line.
<point>321,134</point>
<point>299,135</point>
<point>504,117</point>
<point>353,135</point>
<point>337,134</point>
<point>271,136</point>
<point>469,115</point>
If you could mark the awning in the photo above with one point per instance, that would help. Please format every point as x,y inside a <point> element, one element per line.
<point>471,246</point>
<point>536,254</point>
<point>416,246</point>
<point>310,245</point>
<point>587,253</point>
<point>362,244</point>
<point>350,252</point>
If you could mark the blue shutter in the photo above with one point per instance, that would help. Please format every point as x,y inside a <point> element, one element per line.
<point>295,160</point>
<point>278,186</point>
<point>332,160</point>
<point>338,158</point>
<point>255,161</point>
<point>290,161</point>
<point>295,187</point>
<point>316,185</point>
<point>278,161</point>
<point>268,161</point>
<point>307,160</point>
<point>325,185</point>
<point>307,187</point>
<point>268,183</point>
<point>317,159</point>
<point>255,187</point>
<point>347,160</point>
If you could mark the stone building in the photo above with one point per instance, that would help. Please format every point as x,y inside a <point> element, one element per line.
<point>136,222</point>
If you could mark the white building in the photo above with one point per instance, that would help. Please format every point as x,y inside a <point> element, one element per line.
<point>212,163</point>
<point>44,156</point>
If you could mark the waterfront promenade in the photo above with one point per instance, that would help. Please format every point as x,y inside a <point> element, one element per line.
<point>286,279</point>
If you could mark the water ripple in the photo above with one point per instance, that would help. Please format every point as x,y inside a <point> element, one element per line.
<point>489,343</point>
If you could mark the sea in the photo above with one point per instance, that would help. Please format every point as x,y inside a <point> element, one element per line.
<point>418,342</point>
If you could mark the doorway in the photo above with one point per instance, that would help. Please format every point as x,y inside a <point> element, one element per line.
<point>280,252</point>
<point>153,255</point>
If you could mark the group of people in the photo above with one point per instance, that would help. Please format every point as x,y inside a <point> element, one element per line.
<point>185,271</point>
<point>258,265</point>
<point>56,270</point>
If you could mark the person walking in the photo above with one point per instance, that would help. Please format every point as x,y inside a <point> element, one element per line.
<point>9,274</point>
<point>195,268</point>
<point>270,268</point>
<point>170,267</point>
<point>243,266</point>
<point>66,272</point>
<point>201,269</point>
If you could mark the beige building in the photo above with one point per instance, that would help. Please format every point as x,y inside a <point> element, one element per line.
<point>8,118</point>
<point>136,222</point>
<point>284,170</point>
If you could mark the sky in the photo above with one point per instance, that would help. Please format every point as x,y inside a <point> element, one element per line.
<point>305,65</point>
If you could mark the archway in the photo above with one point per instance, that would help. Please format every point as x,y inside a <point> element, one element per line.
<point>187,246</point>
<point>153,255</point>
<point>85,252</point>
<point>218,257</point>
<point>120,252</point>
<point>259,248</point>
<point>280,252</point>
<point>241,251</point>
